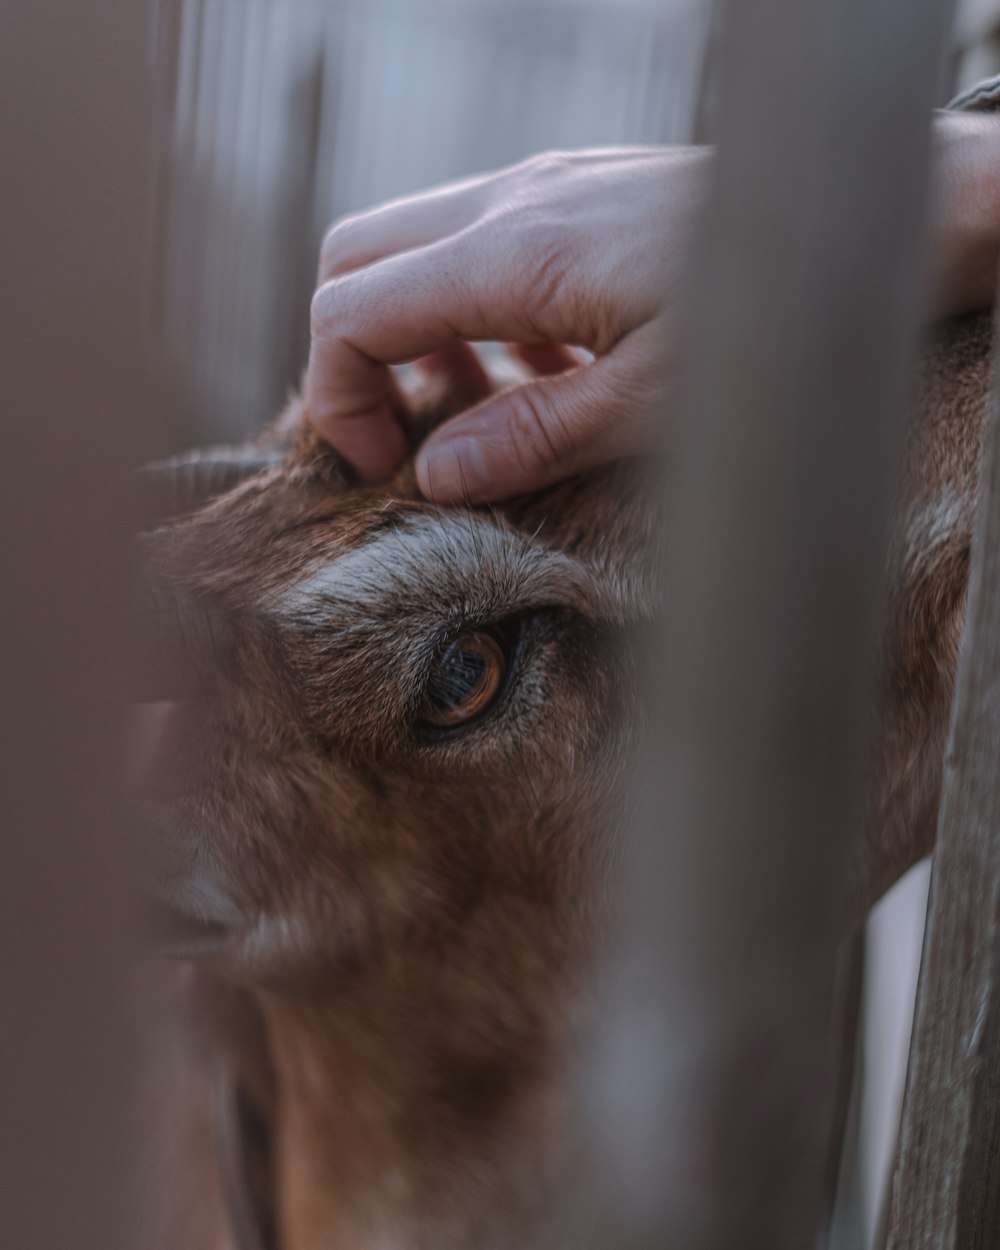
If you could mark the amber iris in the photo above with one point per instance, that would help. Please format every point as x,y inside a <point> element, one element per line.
<point>466,678</point>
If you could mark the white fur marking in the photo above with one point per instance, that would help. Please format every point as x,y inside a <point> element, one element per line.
<point>364,576</point>
<point>937,522</point>
<point>464,557</point>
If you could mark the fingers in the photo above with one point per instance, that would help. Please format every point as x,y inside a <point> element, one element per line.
<point>537,434</point>
<point>404,307</point>
<point>402,225</point>
<point>537,255</point>
<point>368,434</point>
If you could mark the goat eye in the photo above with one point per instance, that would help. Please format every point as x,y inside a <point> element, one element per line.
<point>467,676</point>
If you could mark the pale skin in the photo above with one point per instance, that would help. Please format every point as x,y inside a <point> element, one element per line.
<point>585,249</point>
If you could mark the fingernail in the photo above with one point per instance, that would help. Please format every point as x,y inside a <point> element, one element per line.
<point>454,469</point>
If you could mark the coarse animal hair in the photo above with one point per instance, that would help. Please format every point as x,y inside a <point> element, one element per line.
<point>387,931</point>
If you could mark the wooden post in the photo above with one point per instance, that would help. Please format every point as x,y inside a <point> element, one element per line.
<point>946,1188</point>
<point>75,159</point>
<point>716,1071</point>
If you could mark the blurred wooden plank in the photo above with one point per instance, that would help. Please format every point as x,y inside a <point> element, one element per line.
<point>946,1190</point>
<point>75,144</point>
<point>803,321</point>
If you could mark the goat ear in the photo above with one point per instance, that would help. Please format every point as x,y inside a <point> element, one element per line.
<point>168,488</point>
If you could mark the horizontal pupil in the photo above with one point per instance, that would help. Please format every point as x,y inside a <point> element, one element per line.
<point>458,675</point>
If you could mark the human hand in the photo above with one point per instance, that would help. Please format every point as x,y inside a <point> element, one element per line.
<point>585,248</point>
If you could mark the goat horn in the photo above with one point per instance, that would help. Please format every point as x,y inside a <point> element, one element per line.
<point>182,483</point>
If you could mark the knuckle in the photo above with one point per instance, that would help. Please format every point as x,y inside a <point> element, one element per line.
<point>531,231</point>
<point>542,438</point>
<point>340,245</point>
<point>544,166</point>
<point>547,251</point>
<point>328,311</point>
<point>531,253</point>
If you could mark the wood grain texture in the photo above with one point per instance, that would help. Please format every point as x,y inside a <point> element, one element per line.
<point>946,1190</point>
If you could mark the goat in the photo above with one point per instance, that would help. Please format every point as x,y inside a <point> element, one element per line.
<point>388,806</point>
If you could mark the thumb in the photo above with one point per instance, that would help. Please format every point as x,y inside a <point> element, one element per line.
<point>534,435</point>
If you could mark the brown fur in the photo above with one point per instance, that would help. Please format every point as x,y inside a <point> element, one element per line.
<point>926,586</point>
<point>410,918</point>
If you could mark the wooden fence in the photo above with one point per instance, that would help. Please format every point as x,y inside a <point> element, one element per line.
<point>946,1189</point>
<point>819,221</point>
<point>804,329</point>
<point>805,321</point>
<point>74,145</point>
